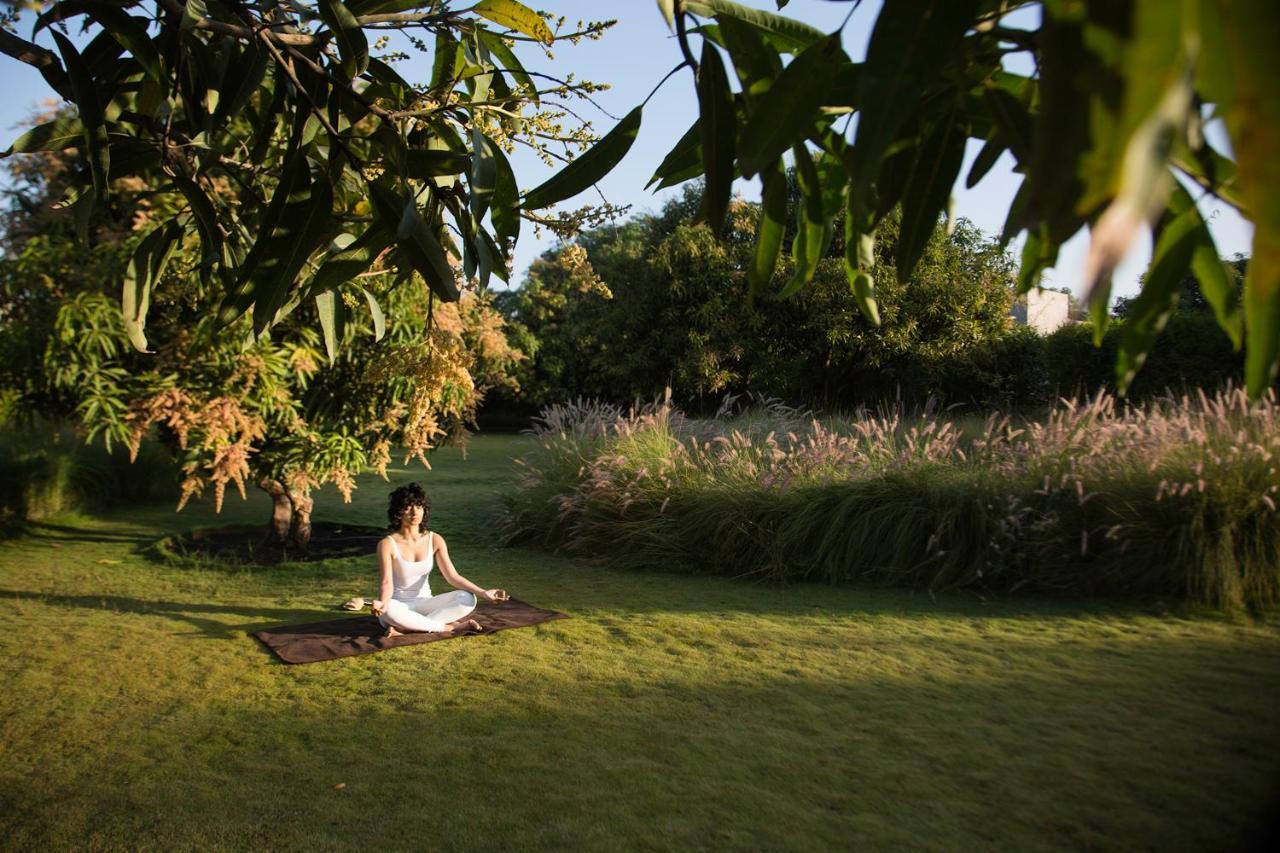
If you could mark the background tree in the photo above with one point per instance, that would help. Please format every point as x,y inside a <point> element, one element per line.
<point>315,401</point>
<point>625,310</point>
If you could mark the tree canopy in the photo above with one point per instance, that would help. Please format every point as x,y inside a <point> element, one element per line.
<point>1107,132</point>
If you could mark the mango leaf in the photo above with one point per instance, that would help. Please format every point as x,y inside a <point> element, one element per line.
<point>792,34</point>
<point>353,47</point>
<point>306,223</point>
<point>131,33</point>
<point>859,260</point>
<point>511,62</point>
<point>332,311</point>
<point>1013,120</point>
<point>1237,70</point>
<point>590,166</point>
<point>97,151</point>
<point>414,238</point>
<point>56,135</point>
<point>770,231</point>
<point>685,155</point>
<point>145,268</point>
<point>375,313</point>
<point>351,261</point>
<point>786,112</point>
<point>718,125</point>
<point>911,42</point>
<point>812,228</point>
<point>1178,237</point>
<point>515,16</point>
<point>206,219</point>
<point>986,159</point>
<point>928,187</point>
<point>755,63</point>
<point>668,10</point>
<point>1039,253</point>
<point>484,173</point>
<point>505,204</point>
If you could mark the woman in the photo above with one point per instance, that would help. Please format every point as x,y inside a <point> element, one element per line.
<point>406,557</point>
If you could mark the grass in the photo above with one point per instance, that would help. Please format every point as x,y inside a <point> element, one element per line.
<point>1173,500</point>
<point>674,711</point>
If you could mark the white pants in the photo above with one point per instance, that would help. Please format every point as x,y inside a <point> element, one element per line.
<point>428,614</point>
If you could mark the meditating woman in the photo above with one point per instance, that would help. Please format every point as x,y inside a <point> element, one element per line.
<point>406,557</point>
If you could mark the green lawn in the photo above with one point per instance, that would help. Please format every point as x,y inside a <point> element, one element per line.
<point>672,711</point>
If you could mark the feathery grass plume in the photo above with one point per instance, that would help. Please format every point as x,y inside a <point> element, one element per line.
<point>1173,499</point>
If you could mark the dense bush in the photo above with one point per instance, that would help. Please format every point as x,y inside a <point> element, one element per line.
<point>657,302</point>
<point>1174,499</point>
<point>44,471</point>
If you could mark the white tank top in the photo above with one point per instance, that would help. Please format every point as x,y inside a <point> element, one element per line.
<point>410,576</point>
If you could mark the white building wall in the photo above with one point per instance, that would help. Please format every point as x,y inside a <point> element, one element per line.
<point>1045,310</point>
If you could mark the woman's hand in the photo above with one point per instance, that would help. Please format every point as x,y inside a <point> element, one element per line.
<point>495,595</point>
<point>377,608</point>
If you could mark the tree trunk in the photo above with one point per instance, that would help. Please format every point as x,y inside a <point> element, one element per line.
<point>281,510</point>
<point>300,530</point>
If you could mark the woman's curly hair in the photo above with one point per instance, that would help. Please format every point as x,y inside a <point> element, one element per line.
<point>401,500</point>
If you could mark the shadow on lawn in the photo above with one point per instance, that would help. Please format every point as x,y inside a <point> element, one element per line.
<point>63,532</point>
<point>1176,755</point>
<point>263,617</point>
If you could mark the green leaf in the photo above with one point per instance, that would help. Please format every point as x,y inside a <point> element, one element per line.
<point>1039,253</point>
<point>928,188</point>
<point>1013,119</point>
<point>56,135</point>
<point>1238,67</point>
<point>84,89</point>
<point>684,156</point>
<point>145,268</point>
<point>306,223</point>
<point>770,231</point>
<point>792,34</point>
<point>484,173</point>
<point>910,44</point>
<point>787,111</point>
<point>193,12</point>
<point>1178,237</point>
<point>511,62</point>
<point>414,238</point>
<point>343,266</point>
<point>206,219</point>
<point>332,311</point>
<point>718,125</point>
<point>515,16</point>
<point>859,260</point>
<point>986,159</point>
<point>505,204</point>
<point>422,163</point>
<point>131,33</point>
<point>756,64</point>
<point>590,166</point>
<point>353,47</point>
<point>375,313</point>
<point>812,228</point>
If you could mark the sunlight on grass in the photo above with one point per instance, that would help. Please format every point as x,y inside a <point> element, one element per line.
<point>673,710</point>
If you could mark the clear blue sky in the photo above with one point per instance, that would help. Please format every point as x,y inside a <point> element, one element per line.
<point>633,57</point>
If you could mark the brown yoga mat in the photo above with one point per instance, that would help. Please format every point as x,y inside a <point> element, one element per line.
<point>340,638</point>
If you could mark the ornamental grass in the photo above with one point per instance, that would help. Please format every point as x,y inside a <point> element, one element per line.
<point>1173,499</point>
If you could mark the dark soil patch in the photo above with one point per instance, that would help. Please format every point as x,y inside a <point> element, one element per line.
<point>247,544</point>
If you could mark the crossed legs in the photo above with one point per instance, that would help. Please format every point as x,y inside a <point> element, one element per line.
<point>438,613</point>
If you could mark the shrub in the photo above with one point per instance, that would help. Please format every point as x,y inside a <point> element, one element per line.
<point>45,471</point>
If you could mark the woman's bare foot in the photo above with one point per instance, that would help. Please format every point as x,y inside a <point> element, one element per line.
<point>466,625</point>
<point>391,632</point>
